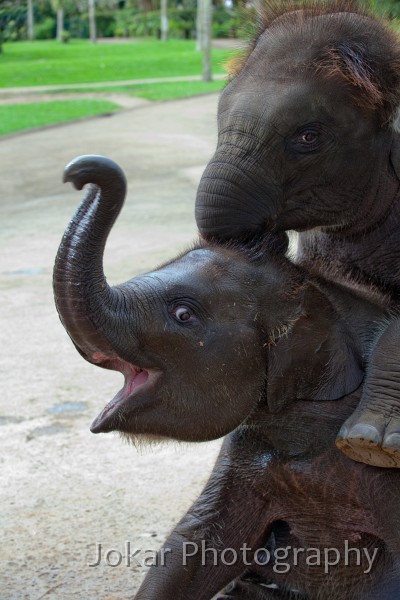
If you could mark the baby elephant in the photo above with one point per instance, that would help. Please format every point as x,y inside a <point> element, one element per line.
<point>234,341</point>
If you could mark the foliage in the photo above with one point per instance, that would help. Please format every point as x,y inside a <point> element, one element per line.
<point>227,23</point>
<point>181,23</point>
<point>65,36</point>
<point>46,30</point>
<point>390,8</point>
<point>79,61</point>
<point>17,117</point>
<point>126,18</point>
<point>13,22</point>
<point>112,21</point>
<point>78,25</point>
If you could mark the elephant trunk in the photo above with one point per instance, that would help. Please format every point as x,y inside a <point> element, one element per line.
<point>89,308</point>
<point>234,199</point>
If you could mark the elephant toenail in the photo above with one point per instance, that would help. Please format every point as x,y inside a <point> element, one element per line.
<point>392,441</point>
<point>364,432</point>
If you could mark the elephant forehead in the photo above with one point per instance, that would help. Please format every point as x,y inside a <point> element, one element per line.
<point>294,41</point>
<point>267,100</point>
<point>284,69</point>
<point>201,269</point>
<point>279,107</point>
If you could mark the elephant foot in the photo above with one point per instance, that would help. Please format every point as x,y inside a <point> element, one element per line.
<point>255,588</point>
<point>371,438</point>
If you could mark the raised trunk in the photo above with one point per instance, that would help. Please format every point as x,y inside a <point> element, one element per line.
<point>89,309</point>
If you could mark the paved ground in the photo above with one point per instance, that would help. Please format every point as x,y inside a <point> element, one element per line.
<point>123,100</point>
<point>62,489</point>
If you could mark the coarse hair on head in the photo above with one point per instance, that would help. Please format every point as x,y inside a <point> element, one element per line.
<point>353,47</point>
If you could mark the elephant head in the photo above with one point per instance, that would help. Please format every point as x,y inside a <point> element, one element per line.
<point>208,336</point>
<point>306,127</point>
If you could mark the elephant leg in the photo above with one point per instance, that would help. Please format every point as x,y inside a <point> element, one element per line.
<point>227,515</point>
<point>254,588</point>
<point>372,433</point>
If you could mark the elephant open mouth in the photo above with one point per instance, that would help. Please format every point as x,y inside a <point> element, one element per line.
<point>126,400</point>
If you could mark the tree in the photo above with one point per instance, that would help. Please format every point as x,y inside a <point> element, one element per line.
<point>164,20</point>
<point>58,7</point>
<point>92,21</point>
<point>60,22</point>
<point>203,22</point>
<point>145,5</point>
<point>29,20</point>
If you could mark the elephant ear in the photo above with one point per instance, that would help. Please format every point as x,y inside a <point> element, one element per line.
<point>317,360</point>
<point>395,149</point>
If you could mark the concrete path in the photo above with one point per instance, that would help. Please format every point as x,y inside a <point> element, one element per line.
<point>122,100</point>
<point>62,489</point>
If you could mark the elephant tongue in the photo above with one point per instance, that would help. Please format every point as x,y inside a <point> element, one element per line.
<point>135,377</point>
<point>138,377</point>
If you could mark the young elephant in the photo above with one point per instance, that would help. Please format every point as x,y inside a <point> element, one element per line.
<point>234,341</point>
<point>308,141</point>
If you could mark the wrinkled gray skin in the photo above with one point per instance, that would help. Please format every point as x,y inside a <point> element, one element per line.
<point>304,143</point>
<point>234,341</point>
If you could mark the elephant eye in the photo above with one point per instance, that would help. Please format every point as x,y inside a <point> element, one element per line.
<point>309,137</point>
<point>183,314</point>
<point>306,140</point>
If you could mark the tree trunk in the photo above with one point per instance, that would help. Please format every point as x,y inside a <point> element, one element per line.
<point>145,5</point>
<point>199,41</point>
<point>92,21</point>
<point>164,20</point>
<point>60,23</point>
<point>204,19</point>
<point>29,20</point>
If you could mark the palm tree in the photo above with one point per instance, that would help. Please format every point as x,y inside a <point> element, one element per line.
<point>92,21</point>
<point>58,7</point>
<point>203,22</point>
<point>164,20</point>
<point>29,20</point>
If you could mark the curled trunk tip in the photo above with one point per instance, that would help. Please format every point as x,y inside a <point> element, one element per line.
<point>89,309</point>
<point>96,169</point>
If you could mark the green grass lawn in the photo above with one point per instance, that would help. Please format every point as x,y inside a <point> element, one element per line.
<point>157,91</point>
<point>172,91</point>
<point>17,117</point>
<point>45,63</point>
<point>79,61</point>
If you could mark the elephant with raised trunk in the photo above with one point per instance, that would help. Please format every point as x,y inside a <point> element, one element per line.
<point>307,140</point>
<point>238,341</point>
